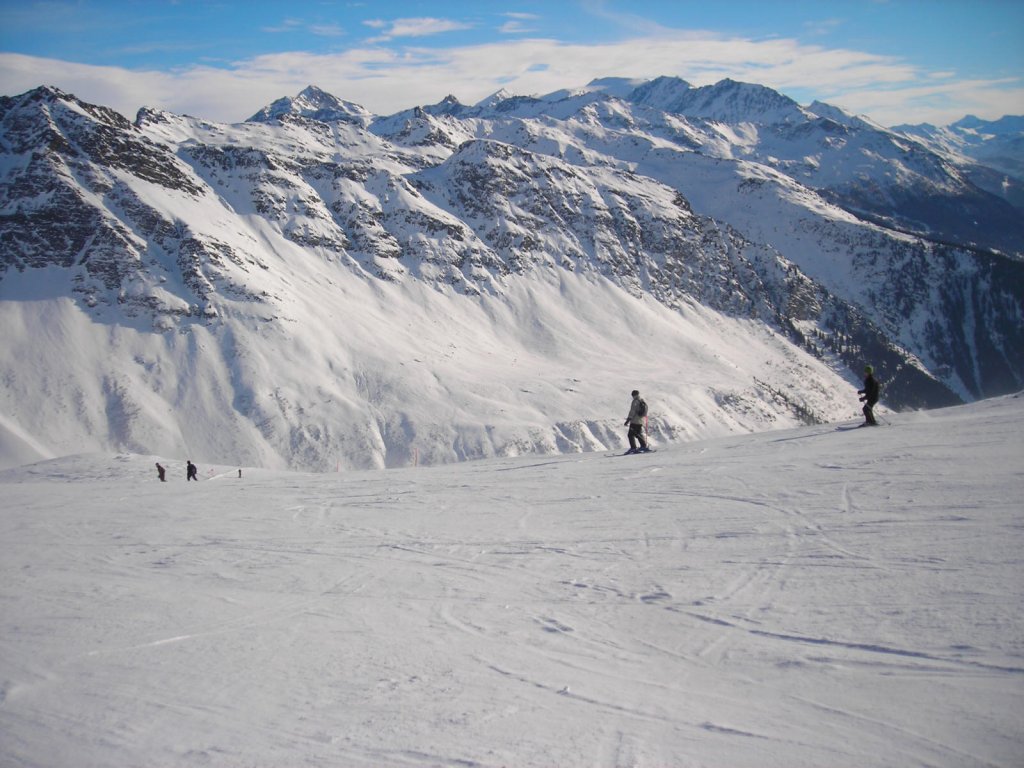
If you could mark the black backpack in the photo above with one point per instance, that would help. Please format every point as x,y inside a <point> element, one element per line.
<point>641,409</point>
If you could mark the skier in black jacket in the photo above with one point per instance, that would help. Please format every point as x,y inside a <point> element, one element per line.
<point>869,395</point>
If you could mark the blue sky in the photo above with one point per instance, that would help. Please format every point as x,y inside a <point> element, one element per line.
<point>895,61</point>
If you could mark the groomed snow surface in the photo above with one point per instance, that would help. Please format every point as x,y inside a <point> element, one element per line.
<point>809,597</point>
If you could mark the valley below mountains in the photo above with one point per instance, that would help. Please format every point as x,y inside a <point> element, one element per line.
<point>320,288</point>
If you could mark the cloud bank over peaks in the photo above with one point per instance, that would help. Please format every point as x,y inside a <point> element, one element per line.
<point>398,69</point>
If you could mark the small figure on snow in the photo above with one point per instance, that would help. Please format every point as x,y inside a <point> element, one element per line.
<point>869,395</point>
<point>635,422</point>
<point>161,473</point>
<point>191,473</point>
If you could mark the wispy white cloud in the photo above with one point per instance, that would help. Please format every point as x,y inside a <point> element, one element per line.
<point>514,27</point>
<point>822,27</point>
<point>288,25</point>
<point>629,23</point>
<point>948,100</point>
<point>518,23</point>
<point>300,25</point>
<point>327,30</point>
<point>386,79</point>
<point>419,27</point>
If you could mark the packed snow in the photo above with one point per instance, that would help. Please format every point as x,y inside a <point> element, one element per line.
<point>806,597</point>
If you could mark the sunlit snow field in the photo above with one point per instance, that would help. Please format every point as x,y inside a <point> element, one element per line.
<point>809,597</point>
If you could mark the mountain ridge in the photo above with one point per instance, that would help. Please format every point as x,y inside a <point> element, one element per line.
<point>275,261</point>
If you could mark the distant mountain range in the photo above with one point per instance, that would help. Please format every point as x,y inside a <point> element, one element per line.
<point>321,287</point>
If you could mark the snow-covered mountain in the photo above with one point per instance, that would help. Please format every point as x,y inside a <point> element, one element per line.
<point>321,287</point>
<point>991,152</point>
<point>315,104</point>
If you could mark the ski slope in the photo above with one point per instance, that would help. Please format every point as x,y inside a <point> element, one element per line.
<point>810,597</point>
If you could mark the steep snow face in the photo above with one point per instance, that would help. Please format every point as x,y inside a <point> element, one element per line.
<point>809,597</point>
<point>727,102</point>
<point>364,373</point>
<point>458,282</point>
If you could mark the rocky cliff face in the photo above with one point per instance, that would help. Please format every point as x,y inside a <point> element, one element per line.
<point>848,241</point>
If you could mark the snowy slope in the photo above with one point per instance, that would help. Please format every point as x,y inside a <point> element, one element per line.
<point>795,598</point>
<point>392,368</point>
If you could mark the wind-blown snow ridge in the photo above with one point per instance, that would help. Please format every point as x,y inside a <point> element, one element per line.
<point>802,597</point>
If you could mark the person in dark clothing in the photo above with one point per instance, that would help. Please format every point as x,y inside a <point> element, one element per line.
<point>161,473</point>
<point>191,472</point>
<point>869,395</point>
<point>635,422</point>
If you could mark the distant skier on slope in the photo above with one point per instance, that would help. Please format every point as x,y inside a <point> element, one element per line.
<point>191,472</point>
<point>869,396</point>
<point>635,422</point>
<point>161,473</point>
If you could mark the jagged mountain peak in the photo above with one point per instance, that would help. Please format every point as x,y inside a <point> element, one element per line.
<point>41,93</point>
<point>971,128</point>
<point>151,116</point>
<point>495,98</point>
<point>49,96</point>
<point>841,116</point>
<point>1004,126</point>
<point>735,102</point>
<point>832,112</point>
<point>63,132</point>
<point>487,151</point>
<point>727,101</point>
<point>449,105</point>
<point>993,145</point>
<point>665,93</point>
<point>314,103</point>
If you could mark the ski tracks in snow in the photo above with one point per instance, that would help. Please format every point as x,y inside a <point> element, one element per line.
<point>809,602</point>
